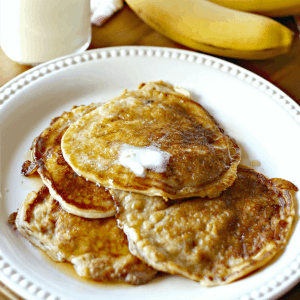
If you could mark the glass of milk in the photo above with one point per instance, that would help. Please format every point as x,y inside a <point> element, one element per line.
<point>35,31</point>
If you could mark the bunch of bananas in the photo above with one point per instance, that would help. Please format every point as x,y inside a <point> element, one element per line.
<point>230,28</point>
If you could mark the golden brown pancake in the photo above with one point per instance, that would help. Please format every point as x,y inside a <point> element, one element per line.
<point>213,241</point>
<point>97,248</point>
<point>154,141</point>
<point>76,194</point>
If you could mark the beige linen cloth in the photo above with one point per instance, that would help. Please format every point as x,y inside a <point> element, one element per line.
<point>102,10</point>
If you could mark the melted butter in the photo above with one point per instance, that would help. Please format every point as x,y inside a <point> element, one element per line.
<point>68,269</point>
<point>27,155</point>
<point>255,163</point>
<point>138,159</point>
<point>33,182</point>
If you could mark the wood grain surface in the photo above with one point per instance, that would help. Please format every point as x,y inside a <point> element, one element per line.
<point>125,28</point>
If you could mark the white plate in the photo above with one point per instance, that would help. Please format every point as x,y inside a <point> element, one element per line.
<point>263,120</point>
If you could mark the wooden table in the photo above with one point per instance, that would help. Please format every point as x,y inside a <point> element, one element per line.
<point>125,28</point>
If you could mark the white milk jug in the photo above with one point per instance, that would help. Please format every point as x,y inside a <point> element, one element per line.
<point>35,31</point>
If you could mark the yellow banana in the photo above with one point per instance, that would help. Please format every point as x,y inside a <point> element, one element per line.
<point>211,28</point>
<point>273,8</point>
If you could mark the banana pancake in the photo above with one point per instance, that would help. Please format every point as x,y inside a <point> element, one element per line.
<point>97,248</point>
<point>76,194</point>
<point>213,241</point>
<point>154,141</point>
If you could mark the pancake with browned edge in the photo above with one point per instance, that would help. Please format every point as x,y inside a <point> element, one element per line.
<point>97,248</point>
<point>213,241</point>
<point>154,141</point>
<point>76,194</point>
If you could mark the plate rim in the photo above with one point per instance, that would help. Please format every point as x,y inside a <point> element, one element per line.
<point>276,287</point>
<point>8,89</point>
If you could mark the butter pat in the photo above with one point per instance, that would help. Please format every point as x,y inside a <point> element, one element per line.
<point>139,159</point>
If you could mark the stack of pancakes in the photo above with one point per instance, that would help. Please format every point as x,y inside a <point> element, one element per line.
<point>150,182</point>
